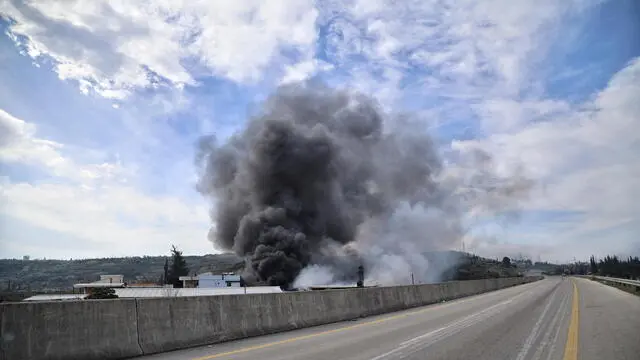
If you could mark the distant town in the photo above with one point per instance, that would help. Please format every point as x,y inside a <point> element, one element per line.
<point>114,286</point>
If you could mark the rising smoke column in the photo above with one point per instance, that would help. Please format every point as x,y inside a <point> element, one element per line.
<point>322,179</point>
<point>304,174</point>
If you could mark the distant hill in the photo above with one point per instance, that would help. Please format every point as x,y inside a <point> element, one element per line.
<point>37,276</point>
<point>60,275</point>
<point>473,267</point>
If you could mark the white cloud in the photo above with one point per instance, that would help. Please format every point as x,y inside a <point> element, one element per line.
<point>116,47</point>
<point>91,202</point>
<point>502,115</point>
<point>585,160</point>
<point>114,219</point>
<point>19,144</point>
<point>304,70</point>
<point>469,48</point>
<point>453,59</point>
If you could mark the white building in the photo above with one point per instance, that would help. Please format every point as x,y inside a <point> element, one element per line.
<point>209,280</point>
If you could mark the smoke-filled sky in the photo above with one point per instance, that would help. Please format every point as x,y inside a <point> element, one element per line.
<point>103,105</point>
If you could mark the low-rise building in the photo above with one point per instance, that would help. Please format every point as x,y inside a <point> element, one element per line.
<point>106,281</point>
<point>210,280</point>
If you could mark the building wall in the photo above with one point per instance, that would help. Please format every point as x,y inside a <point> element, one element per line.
<point>115,279</point>
<point>211,283</point>
<point>208,280</point>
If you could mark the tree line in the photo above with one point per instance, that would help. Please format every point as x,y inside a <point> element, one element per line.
<point>614,266</point>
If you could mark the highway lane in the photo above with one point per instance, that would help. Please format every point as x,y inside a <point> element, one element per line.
<point>609,322</point>
<point>541,320</point>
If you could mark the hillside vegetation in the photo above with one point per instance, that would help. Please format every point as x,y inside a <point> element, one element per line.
<point>60,275</point>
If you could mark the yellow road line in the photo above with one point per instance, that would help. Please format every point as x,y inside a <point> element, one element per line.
<point>571,348</point>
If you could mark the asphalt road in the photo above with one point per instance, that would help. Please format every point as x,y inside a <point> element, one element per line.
<point>541,320</point>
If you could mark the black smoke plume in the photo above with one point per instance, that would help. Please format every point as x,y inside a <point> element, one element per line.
<point>323,180</point>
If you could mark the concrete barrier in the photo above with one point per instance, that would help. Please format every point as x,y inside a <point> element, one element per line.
<point>97,329</point>
<point>115,329</point>
<point>170,323</point>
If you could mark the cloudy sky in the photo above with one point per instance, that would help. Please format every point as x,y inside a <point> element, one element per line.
<point>101,103</point>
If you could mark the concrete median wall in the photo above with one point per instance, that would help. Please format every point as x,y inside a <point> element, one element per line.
<point>98,329</point>
<point>116,329</point>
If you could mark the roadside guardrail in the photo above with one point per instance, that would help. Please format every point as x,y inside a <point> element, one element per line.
<point>627,282</point>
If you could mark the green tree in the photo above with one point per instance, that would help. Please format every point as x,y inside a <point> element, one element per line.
<point>102,293</point>
<point>593,265</point>
<point>178,267</point>
<point>616,267</point>
<point>506,262</point>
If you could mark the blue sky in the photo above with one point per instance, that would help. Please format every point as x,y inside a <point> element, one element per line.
<point>103,103</point>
